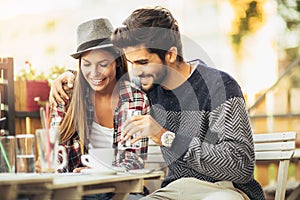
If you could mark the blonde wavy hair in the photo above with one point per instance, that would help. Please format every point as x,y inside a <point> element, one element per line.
<point>76,119</point>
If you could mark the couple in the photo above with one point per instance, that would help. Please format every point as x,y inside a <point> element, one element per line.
<point>198,115</point>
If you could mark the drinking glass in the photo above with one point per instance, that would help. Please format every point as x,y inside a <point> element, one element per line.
<point>7,154</point>
<point>127,114</point>
<point>49,149</point>
<point>25,153</point>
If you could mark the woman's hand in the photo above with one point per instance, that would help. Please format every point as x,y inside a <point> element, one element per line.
<point>78,169</point>
<point>38,166</point>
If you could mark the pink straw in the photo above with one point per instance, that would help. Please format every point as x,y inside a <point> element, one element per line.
<point>47,132</point>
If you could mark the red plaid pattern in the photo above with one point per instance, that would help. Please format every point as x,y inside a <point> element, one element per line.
<point>131,97</point>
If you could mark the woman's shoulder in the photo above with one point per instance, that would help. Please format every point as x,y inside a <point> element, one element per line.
<point>128,86</point>
<point>130,90</point>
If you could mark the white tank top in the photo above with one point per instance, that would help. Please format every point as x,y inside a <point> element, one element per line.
<point>101,137</point>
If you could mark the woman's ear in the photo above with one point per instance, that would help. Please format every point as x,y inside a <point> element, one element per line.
<point>171,55</point>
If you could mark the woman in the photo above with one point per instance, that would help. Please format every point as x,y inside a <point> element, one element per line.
<point>102,92</point>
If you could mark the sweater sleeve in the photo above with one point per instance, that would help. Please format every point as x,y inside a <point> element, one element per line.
<point>226,150</point>
<point>231,155</point>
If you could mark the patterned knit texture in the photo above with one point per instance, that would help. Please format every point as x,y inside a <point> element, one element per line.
<point>213,134</point>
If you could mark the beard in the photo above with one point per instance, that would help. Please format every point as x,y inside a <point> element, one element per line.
<point>147,81</point>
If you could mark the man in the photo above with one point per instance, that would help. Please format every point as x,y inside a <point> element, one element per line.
<point>198,113</point>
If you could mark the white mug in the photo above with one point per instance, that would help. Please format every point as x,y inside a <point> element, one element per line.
<point>95,166</point>
<point>91,162</point>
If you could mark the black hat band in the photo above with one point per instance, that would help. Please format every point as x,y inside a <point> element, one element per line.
<point>93,43</point>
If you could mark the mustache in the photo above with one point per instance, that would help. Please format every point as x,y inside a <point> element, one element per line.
<point>144,75</point>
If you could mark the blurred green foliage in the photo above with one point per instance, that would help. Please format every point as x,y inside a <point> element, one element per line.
<point>29,73</point>
<point>290,12</point>
<point>55,72</point>
<point>250,17</point>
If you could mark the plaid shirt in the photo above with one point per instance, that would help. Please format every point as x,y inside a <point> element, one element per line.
<point>131,97</point>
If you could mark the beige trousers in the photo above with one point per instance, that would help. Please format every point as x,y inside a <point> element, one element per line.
<point>195,189</point>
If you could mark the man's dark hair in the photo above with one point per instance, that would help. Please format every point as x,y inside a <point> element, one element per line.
<point>155,28</point>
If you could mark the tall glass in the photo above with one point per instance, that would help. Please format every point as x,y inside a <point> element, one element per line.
<point>25,153</point>
<point>127,114</point>
<point>49,149</point>
<point>7,154</point>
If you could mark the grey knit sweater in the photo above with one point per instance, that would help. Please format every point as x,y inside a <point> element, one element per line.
<point>213,134</point>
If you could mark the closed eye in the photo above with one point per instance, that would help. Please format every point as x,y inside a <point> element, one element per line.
<point>86,64</point>
<point>142,62</point>
<point>103,64</point>
<point>138,62</point>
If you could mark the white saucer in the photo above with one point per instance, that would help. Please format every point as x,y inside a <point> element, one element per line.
<point>98,171</point>
<point>141,171</point>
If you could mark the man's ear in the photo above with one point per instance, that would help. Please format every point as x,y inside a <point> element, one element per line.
<point>171,55</point>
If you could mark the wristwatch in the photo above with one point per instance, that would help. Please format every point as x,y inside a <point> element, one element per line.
<point>167,138</point>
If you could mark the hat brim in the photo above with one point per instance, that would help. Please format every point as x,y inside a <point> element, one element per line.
<point>77,54</point>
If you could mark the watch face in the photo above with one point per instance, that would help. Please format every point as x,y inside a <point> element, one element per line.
<point>167,139</point>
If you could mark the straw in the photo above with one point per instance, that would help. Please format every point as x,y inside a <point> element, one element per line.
<point>5,157</point>
<point>42,116</point>
<point>47,115</point>
<point>47,122</point>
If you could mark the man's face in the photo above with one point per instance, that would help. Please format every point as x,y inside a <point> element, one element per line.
<point>147,66</point>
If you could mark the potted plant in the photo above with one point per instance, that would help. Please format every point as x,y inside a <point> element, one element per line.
<point>29,86</point>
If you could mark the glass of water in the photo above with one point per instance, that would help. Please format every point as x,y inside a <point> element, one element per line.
<point>7,154</point>
<point>127,114</point>
<point>25,153</point>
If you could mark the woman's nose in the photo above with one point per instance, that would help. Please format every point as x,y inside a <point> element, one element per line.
<point>96,71</point>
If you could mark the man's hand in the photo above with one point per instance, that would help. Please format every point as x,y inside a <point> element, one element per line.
<point>60,85</point>
<point>142,126</point>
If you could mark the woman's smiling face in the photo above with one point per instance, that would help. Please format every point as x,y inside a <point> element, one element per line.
<point>99,69</point>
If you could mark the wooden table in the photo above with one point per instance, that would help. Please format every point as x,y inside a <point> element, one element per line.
<point>11,185</point>
<point>71,186</point>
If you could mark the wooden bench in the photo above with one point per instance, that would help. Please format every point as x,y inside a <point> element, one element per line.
<point>295,188</point>
<point>276,146</point>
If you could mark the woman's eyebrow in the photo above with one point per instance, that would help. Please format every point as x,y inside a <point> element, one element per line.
<point>101,61</point>
<point>86,60</point>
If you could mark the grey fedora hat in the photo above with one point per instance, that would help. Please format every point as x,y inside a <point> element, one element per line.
<point>93,34</point>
